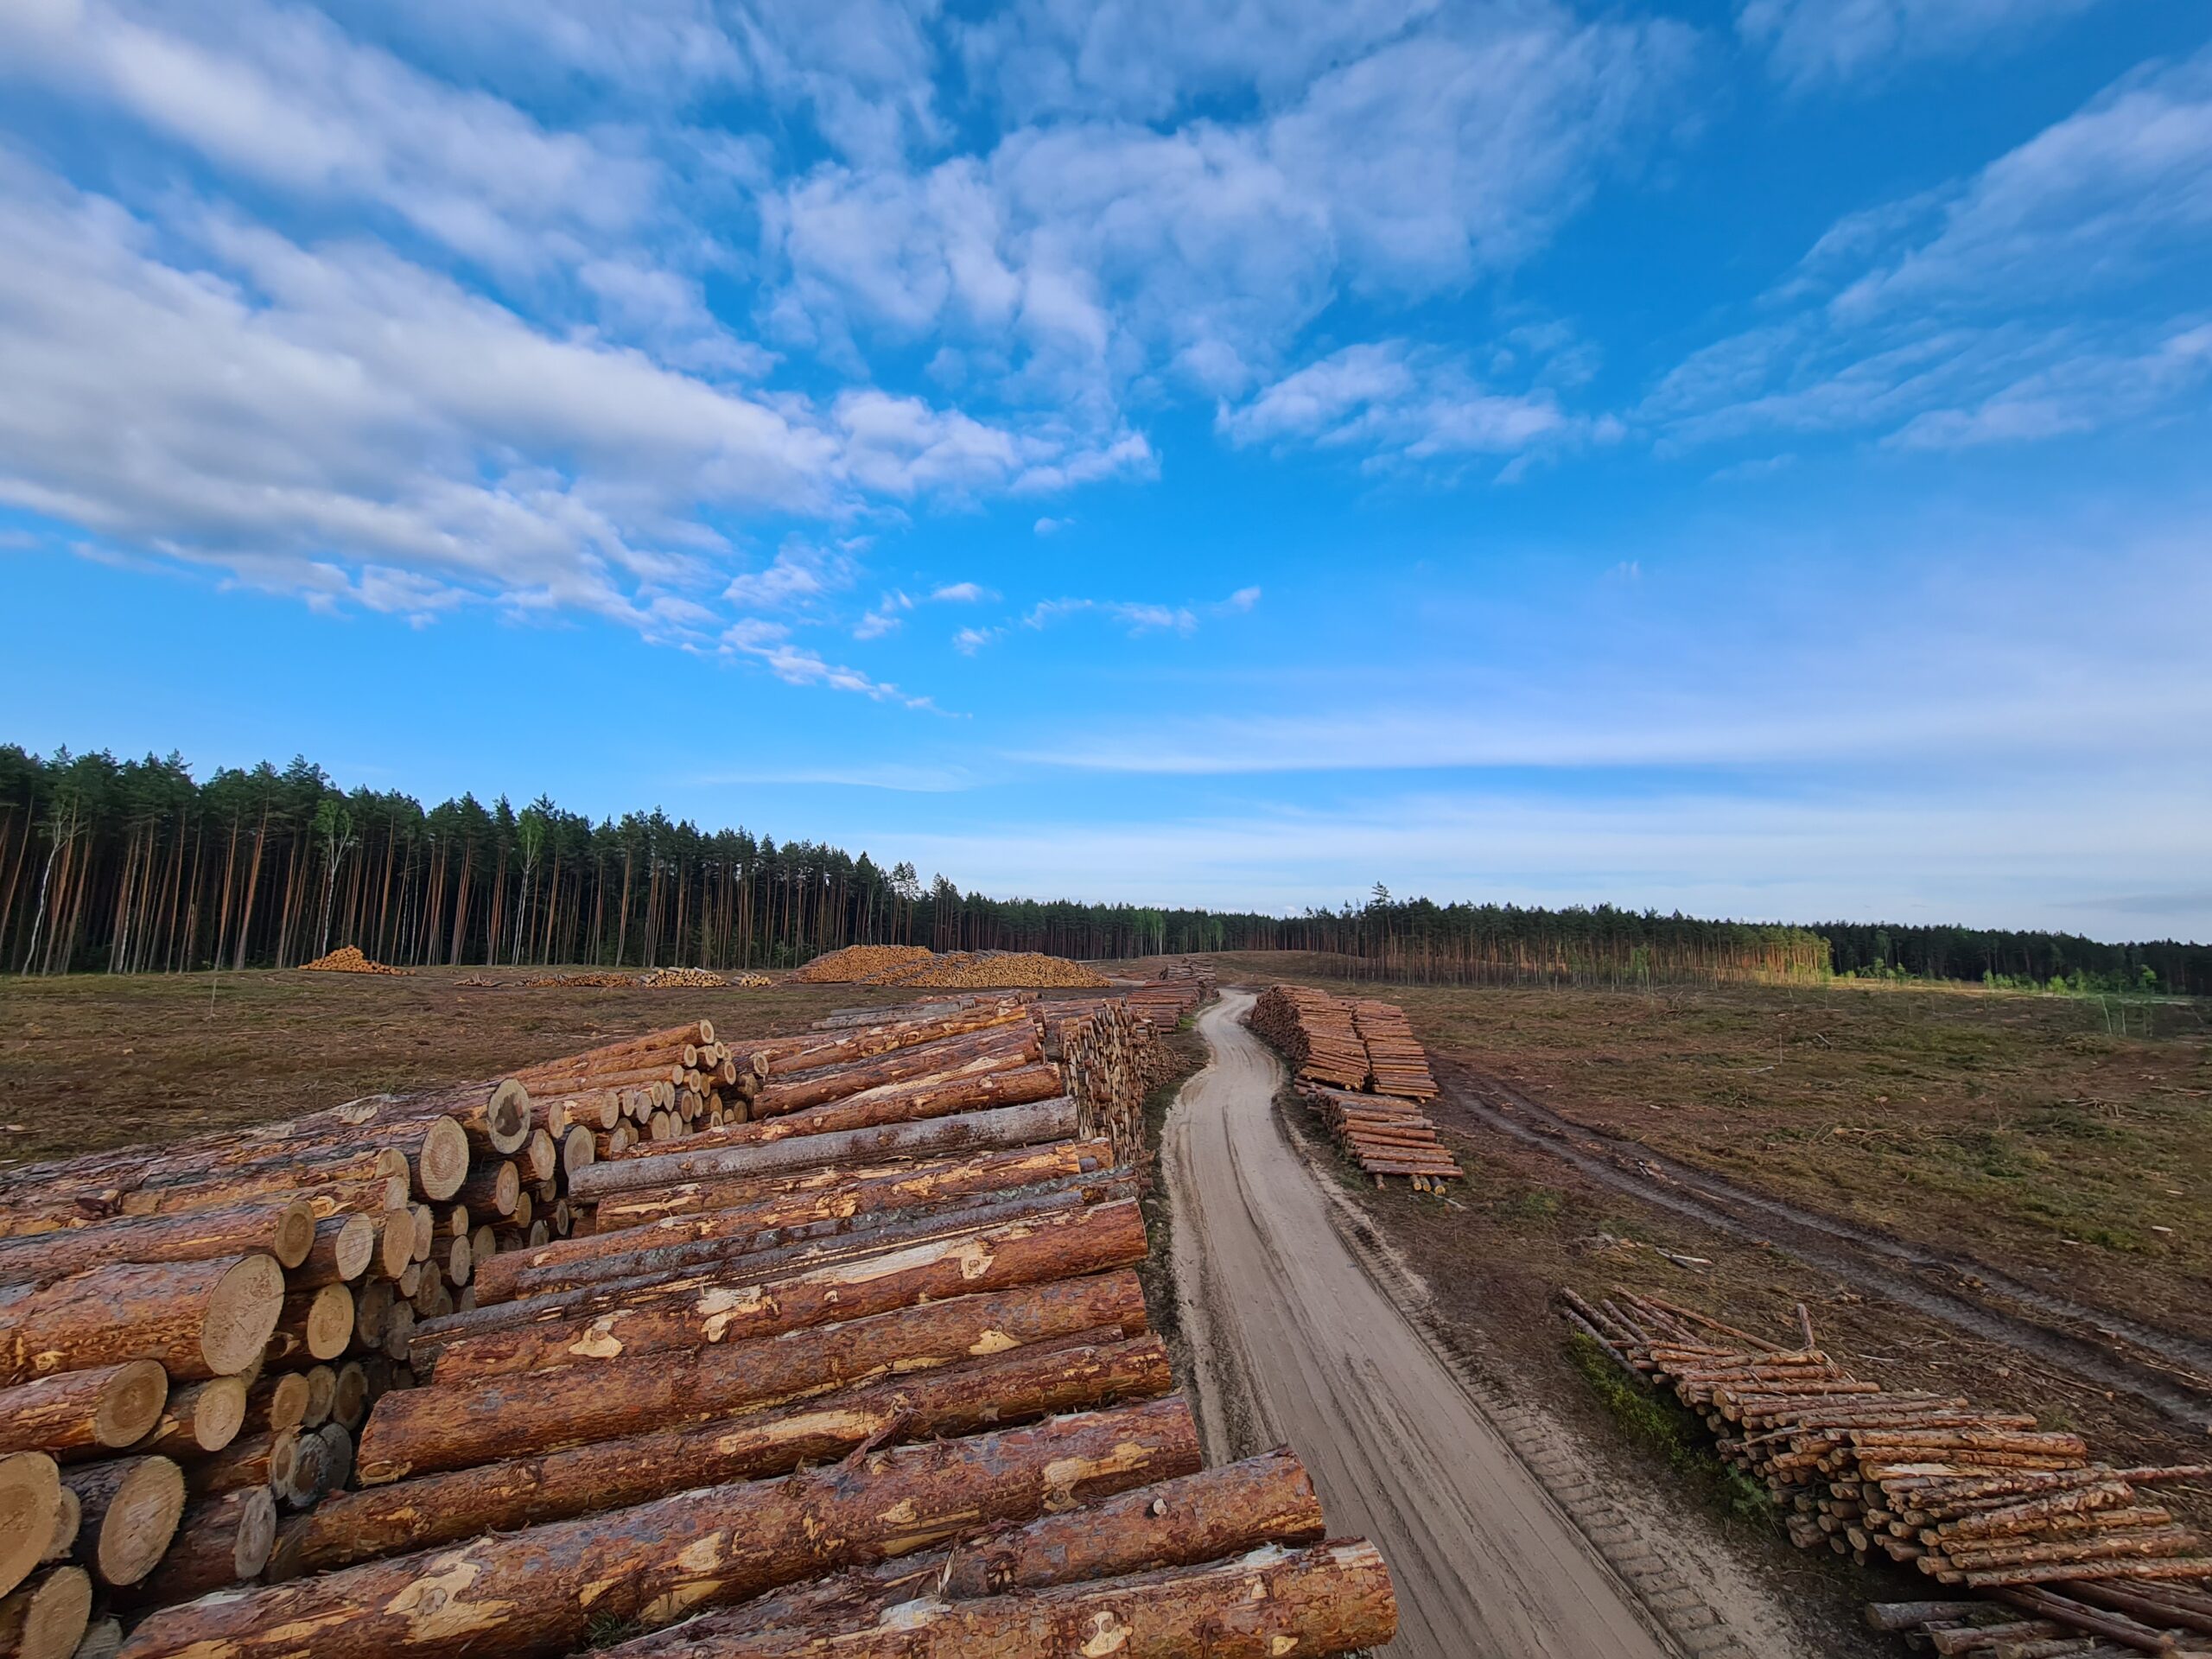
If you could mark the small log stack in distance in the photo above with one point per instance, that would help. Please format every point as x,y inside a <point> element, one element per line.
<point>1359,1066</point>
<point>854,1355</point>
<point>2039,1548</point>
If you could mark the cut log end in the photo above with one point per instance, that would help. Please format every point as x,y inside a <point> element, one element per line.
<point>241,1314</point>
<point>46,1620</point>
<point>356,1249</point>
<point>507,1115</point>
<point>293,1236</point>
<point>441,1164</point>
<point>130,1404</point>
<point>140,1520</point>
<point>30,1509</point>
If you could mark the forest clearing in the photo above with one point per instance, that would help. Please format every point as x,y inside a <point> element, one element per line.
<point>1983,1197</point>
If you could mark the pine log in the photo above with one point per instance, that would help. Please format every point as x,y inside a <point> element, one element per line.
<point>263,1459</point>
<point>685,1315</point>
<point>773,1224</point>
<point>284,1228</point>
<point>503,1496</point>
<point>702,1209</point>
<point>313,1324</point>
<point>541,1591</point>
<point>129,1508</point>
<point>199,1319</point>
<point>782,1056</point>
<point>1207,1516</point>
<point>323,1390</point>
<point>1330,1597</point>
<point>31,1510</point>
<point>82,1414</point>
<point>198,1418</point>
<point>47,1618</point>
<point>1001,1127</point>
<point>974,1088</point>
<point>457,1424</point>
<point>220,1541</point>
<point>493,1188</point>
<point>345,1248</point>
<point>1010,1043</point>
<point>757,1251</point>
<point>102,1639</point>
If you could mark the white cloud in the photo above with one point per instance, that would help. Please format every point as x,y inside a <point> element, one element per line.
<point>962,592</point>
<point>885,617</point>
<point>289,414</point>
<point>1815,41</point>
<point>284,97</point>
<point>1051,526</point>
<point>1136,617</point>
<point>1243,599</point>
<point>771,643</point>
<point>1390,396</point>
<point>1073,259</point>
<point>969,641</point>
<point>801,571</point>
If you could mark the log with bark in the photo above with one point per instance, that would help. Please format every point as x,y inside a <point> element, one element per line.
<point>128,1509</point>
<point>683,1315</point>
<point>79,1415</point>
<point>198,1419</point>
<point>965,1399</point>
<point>1328,1598</point>
<point>220,1541</point>
<point>1207,1516</point>
<point>542,1591</point>
<point>282,1227</point>
<point>48,1616</point>
<point>32,1508</point>
<point>707,1209</point>
<point>198,1318</point>
<point>997,1129</point>
<point>453,1426</point>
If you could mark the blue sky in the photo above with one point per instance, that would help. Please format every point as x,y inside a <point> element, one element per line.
<point>1749,458</point>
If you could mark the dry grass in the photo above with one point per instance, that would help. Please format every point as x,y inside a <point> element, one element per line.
<point>91,1061</point>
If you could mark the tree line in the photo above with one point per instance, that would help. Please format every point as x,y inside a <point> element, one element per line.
<point>136,867</point>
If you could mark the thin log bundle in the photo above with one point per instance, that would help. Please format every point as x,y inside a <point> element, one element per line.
<point>2019,1523</point>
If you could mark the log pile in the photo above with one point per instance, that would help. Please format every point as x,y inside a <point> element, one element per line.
<point>1384,1136</point>
<point>843,1382</point>
<point>855,963</point>
<point>1358,1065</point>
<point>348,959</point>
<point>1315,1033</point>
<point>1396,1062</point>
<point>2044,1551</point>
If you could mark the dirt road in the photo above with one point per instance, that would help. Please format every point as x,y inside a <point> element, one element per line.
<point>1295,1342</point>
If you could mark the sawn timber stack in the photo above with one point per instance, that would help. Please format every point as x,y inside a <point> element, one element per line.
<point>854,1353</point>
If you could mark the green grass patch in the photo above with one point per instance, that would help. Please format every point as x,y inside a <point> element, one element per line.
<point>1671,1432</point>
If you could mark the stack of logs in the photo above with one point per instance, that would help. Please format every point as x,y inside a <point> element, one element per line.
<point>1396,1062</point>
<point>866,1380</point>
<point>1359,1067</point>
<point>190,1336</point>
<point>1384,1136</point>
<point>2054,1554</point>
<point>1315,1033</point>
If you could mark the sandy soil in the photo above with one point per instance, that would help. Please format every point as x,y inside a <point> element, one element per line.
<point>1295,1343</point>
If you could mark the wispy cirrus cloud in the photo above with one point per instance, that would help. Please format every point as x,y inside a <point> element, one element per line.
<point>2026,302</point>
<point>1825,42</point>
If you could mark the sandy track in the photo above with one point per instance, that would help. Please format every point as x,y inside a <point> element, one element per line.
<point>1295,1343</point>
